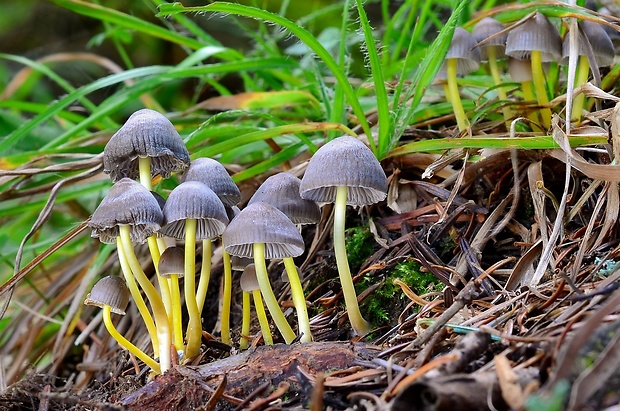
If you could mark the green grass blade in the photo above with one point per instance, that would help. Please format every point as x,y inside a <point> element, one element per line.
<point>266,165</point>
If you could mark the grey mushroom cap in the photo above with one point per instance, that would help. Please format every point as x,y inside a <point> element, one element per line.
<point>248,280</point>
<point>195,200</point>
<point>146,133</point>
<point>602,46</point>
<point>127,202</point>
<point>263,223</point>
<point>538,34</point>
<point>463,49</point>
<point>488,28</point>
<point>171,262</point>
<point>520,70</point>
<point>282,191</point>
<point>110,291</point>
<point>214,175</point>
<point>344,161</point>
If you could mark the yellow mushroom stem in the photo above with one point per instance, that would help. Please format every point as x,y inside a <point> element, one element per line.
<point>528,95</point>
<point>159,312</point>
<point>360,326</point>
<point>226,302</point>
<point>583,71</point>
<point>299,300</point>
<point>262,317</point>
<point>541,88</point>
<point>163,283</point>
<point>194,326</point>
<point>270,299</point>
<point>137,296</point>
<point>123,342</point>
<point>244,341</point>
<point>177,320</point>
<point>455,97</point>
<point>205,274</point>
<point>501,92</point>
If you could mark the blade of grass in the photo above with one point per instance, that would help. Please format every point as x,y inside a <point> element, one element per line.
<point>271,162</point>
<point>301,33</point>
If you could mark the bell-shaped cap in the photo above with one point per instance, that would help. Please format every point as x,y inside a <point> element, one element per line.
<point>214,175</point>
<point>520,70</point>
<point>595,34</point>
<point>248,279</point>
<point>195,200</point>
<point>344,161</point>
<point>172,262</point>
<point>487,30</point>
<point>463,49</point>
<point>110,291</point>
<point>282,191</point>
<point>146,133</point>
<point>263,223</point>
<point>535,34</point>
<point>127,202</point>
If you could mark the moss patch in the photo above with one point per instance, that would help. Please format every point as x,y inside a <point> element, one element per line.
<point>360,245</point>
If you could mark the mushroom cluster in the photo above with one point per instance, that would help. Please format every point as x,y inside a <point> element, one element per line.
<point>203,209</point>
<point>530,45</point>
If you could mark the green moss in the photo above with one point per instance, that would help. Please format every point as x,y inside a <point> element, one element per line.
<point>386,302</point>
<point>360,245</point>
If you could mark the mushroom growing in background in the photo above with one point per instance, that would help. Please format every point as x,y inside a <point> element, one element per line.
<point>538,41</point>
<point>462,57</point>
<point>193,212</point>
<point>130,213</point>
<point>262,231</point>
<point>112,295</point>
<point>345,171</point>
<point>172,267</point>
<point>521,71</point>
<point>249,285</point>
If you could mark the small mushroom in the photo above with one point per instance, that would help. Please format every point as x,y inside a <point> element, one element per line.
<point>249,285</point>
<point>129,213</point>
<point>537,40</point>
<point>112,295</point>
<point>262,231</point>
<point>229,265</point>
<point>345,171</point>
<point>521,71</point>
<point>147,145</point>
<point>214,175</point>
<point>462,57</point>
<point>193,212</point>
<point>171,266</point>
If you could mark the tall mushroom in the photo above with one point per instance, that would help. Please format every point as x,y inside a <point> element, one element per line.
<point>262,231</point>
<point>345,171</point>
<point>130,214</point>
<point>193,212</point>
<point>112,295</point>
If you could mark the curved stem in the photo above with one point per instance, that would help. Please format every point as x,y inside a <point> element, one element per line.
<point>360,326</point>
<point>455,97</point>
<point>177,319</point>
<point>194,326</point>
<point>137,296</point>
<point>205,273</point>
<point>297,292</point>
<point>270,299</point>
<point>124,342</point>
<point>583,72</point>
<point>528,95</point>
<point>226,339</point>
<point>164,288</point>
<point>159,312</point>
<point>541,89</point>
<point>262,318</point>
<point>501,92</point>
<point>244,341</point>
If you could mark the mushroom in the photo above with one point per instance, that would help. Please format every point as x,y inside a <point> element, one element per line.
<point>262,231</point>
<point>214,175</point>
<point>171,266</point>
<point>112,295</point>
<point>345,171</point>
<point>129,213</point>
<point>521,71</point>
<point>193,212</point>
<point>249,285</point>
<point>592,39</point>
<point>231,212</point>
<point>537,40</point>
<point>462,57</point>
<point>493,49</point>
<point>147,145</point>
